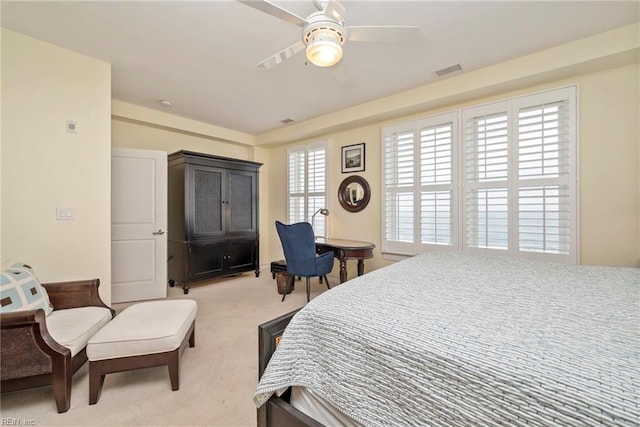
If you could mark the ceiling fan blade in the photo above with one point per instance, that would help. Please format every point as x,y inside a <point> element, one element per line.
<point>335,10</point>
<point>287,53</point>
<point>381,34</point>
<point>274,10</point>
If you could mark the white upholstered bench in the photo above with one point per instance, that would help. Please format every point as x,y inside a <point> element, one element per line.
<point>144,335</point>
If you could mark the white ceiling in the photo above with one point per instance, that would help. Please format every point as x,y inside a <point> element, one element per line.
<point>202,55</point>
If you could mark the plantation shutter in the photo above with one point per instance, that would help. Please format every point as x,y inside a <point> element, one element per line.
<point>419,197</point>
<point>437,197</point>
<point>399,178</point>
<point>512,170</point>
<point>486,173</point>
<point>519,176</point>
<point>546,182</point>
<point>297,184</point>
<point>307,182</point>
<point>317,178</point>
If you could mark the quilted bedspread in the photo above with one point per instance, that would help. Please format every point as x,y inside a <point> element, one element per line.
<point>449,340</point>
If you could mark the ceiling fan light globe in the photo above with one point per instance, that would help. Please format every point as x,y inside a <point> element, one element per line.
<point>324,51</point>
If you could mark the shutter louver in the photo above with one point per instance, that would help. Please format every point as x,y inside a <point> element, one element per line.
<point>436,215</point>
<point>307,183</point>
<point>486,175</point>
<point>544,219</point>
<point>297,183</point>
<point>486,148</point>
<point>543,143</point>
<point>544,208</point>
<point>436,176</point>
<point>317,176</point>
<point>487,221</point>
<point>399,178</point>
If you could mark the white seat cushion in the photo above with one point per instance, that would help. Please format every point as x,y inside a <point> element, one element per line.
<point>144,328</point>
<point>73,327</point>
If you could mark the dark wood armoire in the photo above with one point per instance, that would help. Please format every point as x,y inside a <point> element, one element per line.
<point>213,217</point>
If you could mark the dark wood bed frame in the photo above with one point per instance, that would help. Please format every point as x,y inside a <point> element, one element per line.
<point>277,412</point>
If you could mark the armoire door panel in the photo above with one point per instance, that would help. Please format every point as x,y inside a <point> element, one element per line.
<point>242,195</point>
<point>207,199</point>
<point>206,260</point>
<point>242,254</point>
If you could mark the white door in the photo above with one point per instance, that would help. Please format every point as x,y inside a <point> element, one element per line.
<point>138,224</point>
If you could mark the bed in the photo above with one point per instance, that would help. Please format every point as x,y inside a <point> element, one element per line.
<point>444,339</point>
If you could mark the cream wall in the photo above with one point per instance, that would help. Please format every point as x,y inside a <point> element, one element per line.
<point>609,182</point>
<point>43,166</point>
<point>137,135</point>
<point>609,167</point>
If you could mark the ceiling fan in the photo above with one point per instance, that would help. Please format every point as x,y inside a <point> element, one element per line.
<point>325,32</point>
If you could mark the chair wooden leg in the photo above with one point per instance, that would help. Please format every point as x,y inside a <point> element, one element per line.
<point>96,381</point>
<point>174,369</point>
<point>61,385</point>
<point>192,338</point>
<point>327,281</point>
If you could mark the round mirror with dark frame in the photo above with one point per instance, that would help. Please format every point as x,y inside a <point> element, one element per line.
<point>354,193</point>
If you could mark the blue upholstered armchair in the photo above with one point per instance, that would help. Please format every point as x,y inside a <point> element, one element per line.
<point>299,245</point>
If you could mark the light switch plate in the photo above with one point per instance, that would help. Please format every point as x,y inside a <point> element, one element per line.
<point>65,213</point>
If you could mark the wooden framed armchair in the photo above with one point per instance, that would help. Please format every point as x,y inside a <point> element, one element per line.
<point>32,357</point>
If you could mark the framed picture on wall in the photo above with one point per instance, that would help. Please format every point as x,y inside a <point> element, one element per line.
<point>353,158</point>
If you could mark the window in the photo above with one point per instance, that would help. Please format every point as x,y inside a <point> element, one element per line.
<point>307,184</point>
<point>517,180</point>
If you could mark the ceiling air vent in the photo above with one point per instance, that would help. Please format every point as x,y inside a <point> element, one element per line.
<point>448,70</point>
<point>286,121</point>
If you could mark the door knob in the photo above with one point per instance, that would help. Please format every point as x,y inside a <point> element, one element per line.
<point>159,232</point>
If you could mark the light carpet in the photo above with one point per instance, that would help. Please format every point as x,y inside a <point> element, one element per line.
<point>217,377</point>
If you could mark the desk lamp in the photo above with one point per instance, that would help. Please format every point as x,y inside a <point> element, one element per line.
<point>322,211</point>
